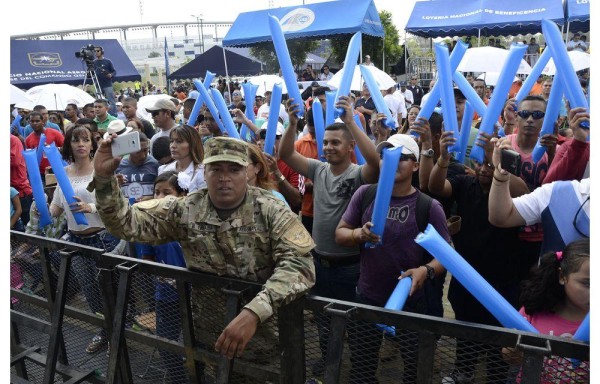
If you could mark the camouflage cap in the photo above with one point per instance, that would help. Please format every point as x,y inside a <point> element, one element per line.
<point>225,149</point>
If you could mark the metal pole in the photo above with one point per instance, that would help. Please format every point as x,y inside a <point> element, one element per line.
<point>201,35</point>
<point>227,74</point>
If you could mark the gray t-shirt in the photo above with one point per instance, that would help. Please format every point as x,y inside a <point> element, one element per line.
<point>331,197</point>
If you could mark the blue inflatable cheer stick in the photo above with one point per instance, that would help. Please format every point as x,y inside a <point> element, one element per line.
<point>465,131</point>
<point>582,334</point>
<point>507,74</point>
<point>377,96</point>
<point>429,105</point>
<point>224,112</point>
<point>35,179</point>
<point>209,104</point>
<point>63,181</point>
<point>285,63</point>
<point>396,302</point>
<point>472,280</point>
<point>383,195</point>
<point>330,110</point>
<point>552,110</point>
<point>273,119</point>
<point>40,148</point>
<point>533,76</point>
<point>319,127</point>
<point>360,159</point>
<point>349,65</point>
<point>448,104</point>
<point>249,95</point>
<point>199,101</point>
<point>568,76</point>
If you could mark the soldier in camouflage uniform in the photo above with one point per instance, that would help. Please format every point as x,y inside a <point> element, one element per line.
<point>228,229</point>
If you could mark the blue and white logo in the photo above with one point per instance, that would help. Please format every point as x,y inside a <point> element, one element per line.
<point>297,20</point>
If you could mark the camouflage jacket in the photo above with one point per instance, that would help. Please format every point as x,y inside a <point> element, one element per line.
<point>262,241</point>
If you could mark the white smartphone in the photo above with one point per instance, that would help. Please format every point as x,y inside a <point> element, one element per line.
<point>126,144</point>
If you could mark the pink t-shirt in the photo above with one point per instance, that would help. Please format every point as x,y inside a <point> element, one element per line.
<point>558,369</point>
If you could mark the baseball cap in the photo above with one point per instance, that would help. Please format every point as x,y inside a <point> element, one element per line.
<point>403,84</point>
<point>225,149</point>
<point>119,103</point>
<point>162,104</point>
<point>408,143</point>
<point>458,93</point>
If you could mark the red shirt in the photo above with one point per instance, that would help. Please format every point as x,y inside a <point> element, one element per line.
<point>307,147</point>
<point>52,136</point>
<point>287,172</point>
<point>18,169</point>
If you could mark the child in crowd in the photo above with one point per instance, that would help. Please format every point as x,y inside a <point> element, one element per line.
<point>556,299</point>
<point>168,318</point>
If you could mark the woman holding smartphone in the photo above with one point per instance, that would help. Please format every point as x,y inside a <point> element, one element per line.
<point>78,149</point>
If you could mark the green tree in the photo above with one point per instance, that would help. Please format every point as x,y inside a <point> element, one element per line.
<point>374,46</point>
<point>298,48</point>
<point>154,54</point>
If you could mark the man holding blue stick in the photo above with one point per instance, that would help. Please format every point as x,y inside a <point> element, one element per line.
<point>408,214</point>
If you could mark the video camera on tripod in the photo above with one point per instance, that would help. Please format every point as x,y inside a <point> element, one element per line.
<point>86,54</point>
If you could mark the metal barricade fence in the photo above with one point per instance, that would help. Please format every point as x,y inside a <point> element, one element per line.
<point>160,324</point>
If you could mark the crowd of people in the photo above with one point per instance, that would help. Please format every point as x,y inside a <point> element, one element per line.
<point>299,223</point>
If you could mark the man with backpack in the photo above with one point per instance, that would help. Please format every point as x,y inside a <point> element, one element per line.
<point>408,214</point>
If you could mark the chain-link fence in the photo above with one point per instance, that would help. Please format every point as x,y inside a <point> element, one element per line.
<point>73,305</point>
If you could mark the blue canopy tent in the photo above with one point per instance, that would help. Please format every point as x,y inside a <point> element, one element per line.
<point>319,20</point>
<point>487,17</point>
<point>577,15</point>
<point>35,62</point>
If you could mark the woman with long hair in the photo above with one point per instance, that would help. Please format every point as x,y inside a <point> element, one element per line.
<point>411,117</point>
<point>78,149</point>
<point>188,153</point>
<point>258,172</point>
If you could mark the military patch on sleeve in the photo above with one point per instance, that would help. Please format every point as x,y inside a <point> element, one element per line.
<point>147,204</point>
<point>298,236</point>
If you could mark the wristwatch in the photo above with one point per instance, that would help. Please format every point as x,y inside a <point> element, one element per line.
<point>427,153</point>
<point>281,178</point>
<point>430,271</point>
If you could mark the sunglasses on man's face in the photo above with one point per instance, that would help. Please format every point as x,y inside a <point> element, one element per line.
<point>155,113</point>
<point>535,114</point>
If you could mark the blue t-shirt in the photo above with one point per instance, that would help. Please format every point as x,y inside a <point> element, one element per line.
<point>13,193</point>
<point>170,254</point>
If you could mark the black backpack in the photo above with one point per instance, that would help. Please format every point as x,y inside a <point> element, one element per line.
<point>423,205</point>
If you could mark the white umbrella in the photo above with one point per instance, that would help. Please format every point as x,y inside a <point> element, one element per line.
<point>147,102</point>
<point>580,60</point>
<point>491,78</point>
<point>266,83</point>
<point>18,96</point>
<point>383,80</point>
<point>55,97</point>
<point>488,59</point>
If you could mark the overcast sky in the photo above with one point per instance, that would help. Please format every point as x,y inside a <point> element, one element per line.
<point>75,14</point>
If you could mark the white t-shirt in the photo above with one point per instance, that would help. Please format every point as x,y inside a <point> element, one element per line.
<point>531,205</point>
<point>396,105</point>
<point>196,174</point>
<point>263,113</point>
<point>79,184</point>
<point>158,134</point>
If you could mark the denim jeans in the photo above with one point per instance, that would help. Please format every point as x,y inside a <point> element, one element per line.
<point>364,340</point>
<point>109,95</point>
<point>85,269</point>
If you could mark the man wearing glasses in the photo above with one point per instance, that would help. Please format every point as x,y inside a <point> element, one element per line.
<point>416,89</point>
<point>106,72</point>
<point>163,113</point>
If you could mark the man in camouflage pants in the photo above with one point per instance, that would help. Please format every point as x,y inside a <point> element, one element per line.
<point>228,229</point>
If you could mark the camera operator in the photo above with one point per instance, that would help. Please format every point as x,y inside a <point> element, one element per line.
<point>106,72</point>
